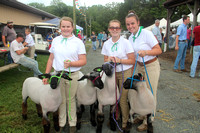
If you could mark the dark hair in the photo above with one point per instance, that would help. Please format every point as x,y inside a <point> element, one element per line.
<point>20,35</point>
<point>185,17</point>
<point>132,13</point>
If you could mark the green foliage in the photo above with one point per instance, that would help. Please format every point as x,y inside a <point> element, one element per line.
<point>147,11</point>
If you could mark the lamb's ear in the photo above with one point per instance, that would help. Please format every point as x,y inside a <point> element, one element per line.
<point>98,69</point>
<point>65,76</point>
<point>43,76</point>
<point>84,77</point>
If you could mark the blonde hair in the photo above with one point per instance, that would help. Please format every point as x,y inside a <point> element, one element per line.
<point>115,21</point>
<point>67,19</point>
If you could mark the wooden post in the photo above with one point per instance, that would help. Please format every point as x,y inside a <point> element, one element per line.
<point>74,16</point>
<point>169,15</point>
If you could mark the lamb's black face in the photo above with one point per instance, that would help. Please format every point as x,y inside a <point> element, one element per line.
<point>108,68</point>
<point>96,79</point>
<point>54,82</point>
<point>127,83</point>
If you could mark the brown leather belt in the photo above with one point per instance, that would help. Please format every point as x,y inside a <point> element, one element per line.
<point>147,62</point>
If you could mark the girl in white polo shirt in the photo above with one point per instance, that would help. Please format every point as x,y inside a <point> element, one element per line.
<point>145,44</point>
<point>67,53</point>
<point>120,50</point>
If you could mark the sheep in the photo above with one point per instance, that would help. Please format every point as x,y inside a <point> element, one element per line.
<point>107,95</point>
<point>141,99</point>
<point>47,97</point>
<point>86,94</point>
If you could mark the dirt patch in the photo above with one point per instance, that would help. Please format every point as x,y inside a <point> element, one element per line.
<point>171,56</point>
<point>197,96</point>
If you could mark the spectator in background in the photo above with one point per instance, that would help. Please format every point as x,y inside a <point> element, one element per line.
<point>104,38</point>
<point>8,35</point>
<point>94,38</point>
<point>181,45</point>
<point>156,32</point>
<point>56,33</point>
<point>79,35</point>
<point>196,51</point>
<point>17,51</point>
<point>49,39</point>
<point>189,33</point>
<point>162,34</point>
<point>29,42</point>
<point>99,37</point>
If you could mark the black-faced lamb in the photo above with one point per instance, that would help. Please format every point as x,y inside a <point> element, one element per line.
<point>107,95</point>
<point>141,99</point>
<point>86,94</point>
<point>47,97</point>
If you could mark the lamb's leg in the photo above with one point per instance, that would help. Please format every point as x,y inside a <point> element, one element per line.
<point>92,115</point>
<point>79,116</point>
<point>24,108</point>
<point>39,110</point>
<point>100,120</point>
<point>45,122</point>
<point>112,122</point>
<point>149,124</point>
<point>131,114</point>
<point>56,121</point>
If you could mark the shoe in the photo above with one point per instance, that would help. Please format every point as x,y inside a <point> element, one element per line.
<point>142,127</point>
<point>72,129</point>
<point>191,77</point>
<point>61,130</point>
<point>176,70</point>
<point>184,70</point>
<point>137,121</point>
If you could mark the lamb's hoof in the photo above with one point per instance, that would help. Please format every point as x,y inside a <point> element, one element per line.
<point>57,128</point>
<point>112,125</point>
<point>46,128</point>
<point>78,125</point>
<point>40,115</point>
<point>94,124</point>
<point>24,117</point>
<point>98,130</point>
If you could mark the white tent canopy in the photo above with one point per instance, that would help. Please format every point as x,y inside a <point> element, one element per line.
<point>163,23</point>
<point>41,24</point>
<point>180,21</point>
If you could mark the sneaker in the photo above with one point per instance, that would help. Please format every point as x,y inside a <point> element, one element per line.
<point>176,70</point>
<point>142,127</point>
<point>72,129</point>
<point>184,70</point>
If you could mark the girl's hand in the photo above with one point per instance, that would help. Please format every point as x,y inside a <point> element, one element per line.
<point>67,63</point>
<point>45,81</point>
<point>115,60</point>
<point>142,53</point>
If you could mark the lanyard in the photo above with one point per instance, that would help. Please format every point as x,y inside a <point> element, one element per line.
<point>114,47</point>
<point>135,37</point>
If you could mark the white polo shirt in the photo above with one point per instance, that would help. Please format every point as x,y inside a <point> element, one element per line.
<point>29,40</point>
<point>15,46</point>
<point>123,48</point>
<point>66,50</point>
<point>145,41</point>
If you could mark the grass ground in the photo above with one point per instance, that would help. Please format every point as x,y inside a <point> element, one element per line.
<point>11,99</point>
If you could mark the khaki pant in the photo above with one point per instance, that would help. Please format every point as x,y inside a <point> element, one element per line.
<point>65,92</point>
<point>153,70</point>
<point>124,96</point>
<point>31,52</point>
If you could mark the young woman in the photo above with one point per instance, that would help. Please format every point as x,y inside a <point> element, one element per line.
<point>67,53</point>
<point>119,50</point>
<point>145,44</point>
<point>94,39</point>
